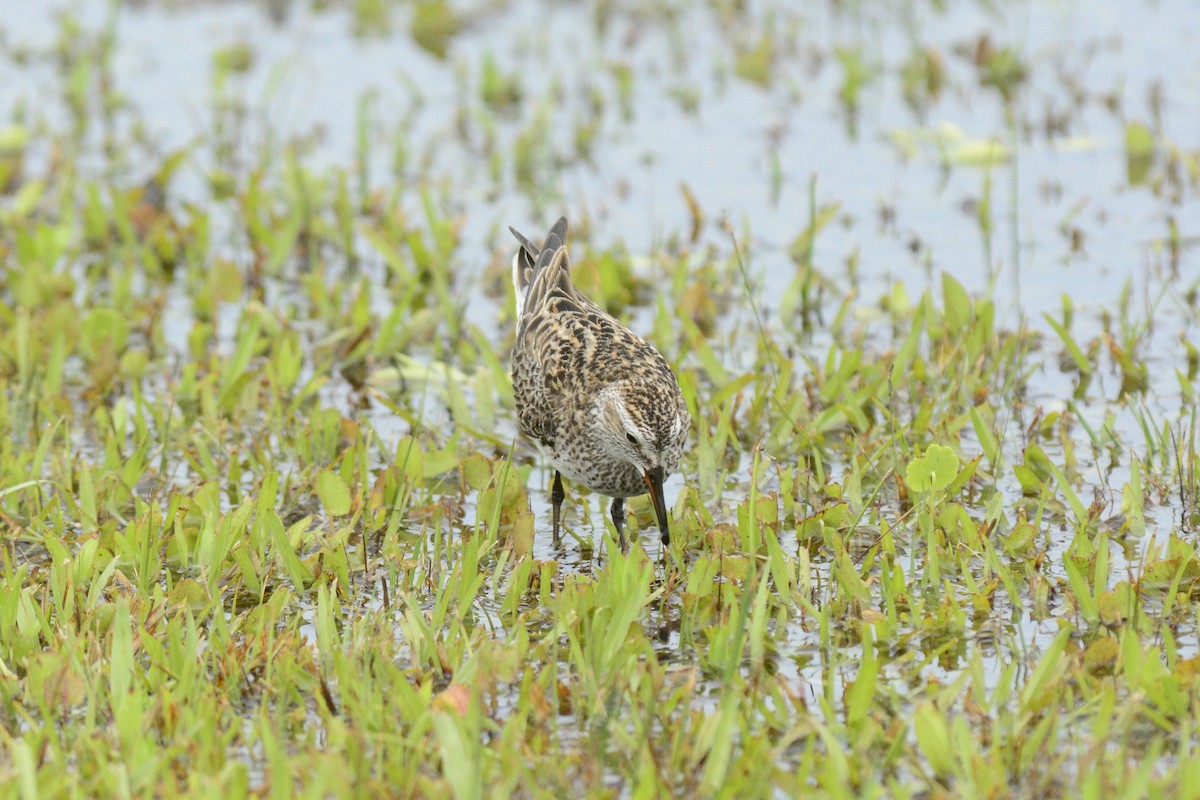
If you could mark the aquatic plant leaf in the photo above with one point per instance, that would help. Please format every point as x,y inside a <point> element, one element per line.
<point>932,471</point>
<point>434,24</point>
<point>1139,152</point>
<point>334,493</point>
<point>933,736</point>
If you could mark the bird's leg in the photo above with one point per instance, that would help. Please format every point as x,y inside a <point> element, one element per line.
<point>556,500</point>
<point>618,516</point>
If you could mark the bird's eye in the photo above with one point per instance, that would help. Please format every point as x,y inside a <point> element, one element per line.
<point>631,438</point>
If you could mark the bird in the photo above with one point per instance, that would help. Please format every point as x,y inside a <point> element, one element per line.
<point>600,401</point>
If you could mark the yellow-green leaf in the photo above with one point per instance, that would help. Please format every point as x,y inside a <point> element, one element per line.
<point>334,493</point>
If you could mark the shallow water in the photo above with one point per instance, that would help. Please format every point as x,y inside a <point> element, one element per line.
<point>309,73</point>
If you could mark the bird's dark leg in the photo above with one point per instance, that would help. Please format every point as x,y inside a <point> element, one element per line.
<point>556,500</point>
<point>618,516</point>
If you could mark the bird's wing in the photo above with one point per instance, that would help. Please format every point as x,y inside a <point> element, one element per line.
<point>529,258</point>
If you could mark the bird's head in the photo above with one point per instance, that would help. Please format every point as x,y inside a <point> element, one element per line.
<point>645,423</point>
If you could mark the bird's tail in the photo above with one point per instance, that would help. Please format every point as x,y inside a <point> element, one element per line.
<point>529,258</point>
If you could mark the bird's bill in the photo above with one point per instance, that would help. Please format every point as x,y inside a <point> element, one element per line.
<point>654,482</point>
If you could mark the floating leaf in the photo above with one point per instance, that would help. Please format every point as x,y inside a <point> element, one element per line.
<point>190,594</point>
<point>934,470</point>
<point>976,153</point>
<point>237,57</point>
<point>1020,538</point>
<point>434,24</point>
<point>1101,655</point>
<point>477,471</point>
<point>755,63</point>
<point>1114,605</point>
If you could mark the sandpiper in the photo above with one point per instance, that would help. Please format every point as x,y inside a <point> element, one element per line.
<point>601,402</point>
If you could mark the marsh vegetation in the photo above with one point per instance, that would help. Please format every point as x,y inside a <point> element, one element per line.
<point>928,275</point>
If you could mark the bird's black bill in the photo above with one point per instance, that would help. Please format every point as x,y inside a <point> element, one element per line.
<point>654,482</point>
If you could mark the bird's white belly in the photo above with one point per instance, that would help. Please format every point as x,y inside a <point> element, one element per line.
<point>607,478</point>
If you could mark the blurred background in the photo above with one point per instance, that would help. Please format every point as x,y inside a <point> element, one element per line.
<point>1030,149</point>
